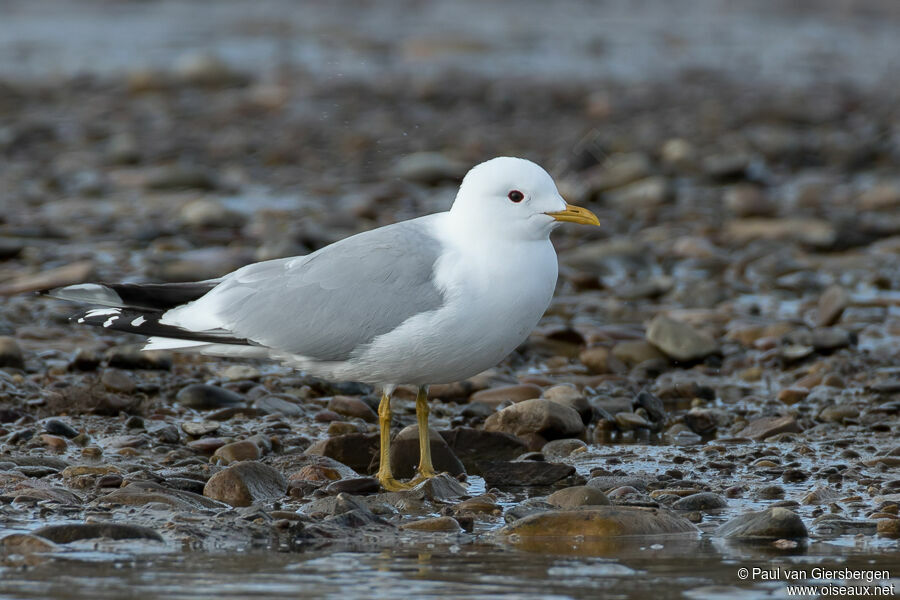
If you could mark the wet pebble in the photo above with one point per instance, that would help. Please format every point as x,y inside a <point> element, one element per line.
<point>575,496</point>
<point>524,473</point>
<point>701,501</point>
<point>773,523</point>
<point>246,483</point>
<point>539,419</point>
<point>679,340</point>
<point>201,396</point>
<point>58,427</point>
<point>404,454</point>
<point>352,407</point>
<point>507,394</point>
<point>10,353</point>
<point>236,452</point>
<point>118,381</point>
<point>72,532</point>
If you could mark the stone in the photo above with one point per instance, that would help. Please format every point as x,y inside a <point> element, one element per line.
<point>507,393</point>
<point>473,446</point>
<point>838,413</point>
<point>24,544</point>
<point>139,493</point>
<point>352,407</point>
<point>607,483</point>
<point>627,421</point>
<point>118,381</point>
<point>207,70</point>
<point>634,352</point>
<point>596,359</point>
<point>562,448</point>
<point>747,200</point>
<point>761,428</point>
<point>820,495</point>
<point>206,213</point>
<point>618,170</point>
<point>818,233</point>
<point>236,452</point>
<point>889,528</point>
<point>404,455</point>
<point>653,407</point>
<point>58,427</point>
<point>273,404</point>
<point>441,488</point>
<point>568,395</point>
<point>524,473</point>
<point>179,177</point>
<point>359,451</point>
<point>537,416</point>
<point>200,428</point>
<point>10,353</point>
<point>831,305</point>
<point>700,501</point>
<point>132,357</point>
<point>580,495</point>
<point>72,532</point>
<point>428,168</point>
<point>246,483</point>
<point>601,521</point>
<point>773,523</point>
<point>883,195</point>
<point>792,395</point>
<point>358,486</point>
<point>434,524</point>
<point>485,504</point>
<point>678,340</point>
<point>645,193</point>
<point>201,396</point>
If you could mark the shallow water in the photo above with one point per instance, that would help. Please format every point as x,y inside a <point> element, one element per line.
<point>627,569</point>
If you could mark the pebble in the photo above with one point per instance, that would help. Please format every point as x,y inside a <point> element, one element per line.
<point>832,303</point>
<point>773,523</point>
<point>643,194</point>
<point>524,473</point>
<point>236,452</point>
<point>200,428</point>
<point>352,407</point>
<point>838,414</point>
<point>132,357</point>
<point>537,417</point>
<point>58,427</point>
<point>25,544</point>
<point>201,396</point>
<point>563,448</point>
<point>580,495</point>
<point>118,381</point>
<point>72,532</point>
<point>606,483</point>
<point>359,451</point>
<point>274,404</point>
<point>701,501</point>
<point>596,359</point>
<point>404,455</point>
<point>634,352</point>
<point>473,446</point>
<point>761,428</point>
<point>434,524</point>
<point>679,340</point>
<point>507,394</point>
<point>428,168</point>
<point>246,483</point>
<point>568,395</point>
<point>601,521</point>
<point>10,353</point>
<point>206,213</point>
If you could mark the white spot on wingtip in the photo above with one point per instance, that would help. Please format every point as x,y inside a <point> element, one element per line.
<point>109,321</point>
<point>81,320</point>
<point>138,322</point>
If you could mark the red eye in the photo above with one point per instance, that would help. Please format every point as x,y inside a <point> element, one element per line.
<point>516,196</point>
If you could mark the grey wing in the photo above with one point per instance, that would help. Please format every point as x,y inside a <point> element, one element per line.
<point>329,303</point>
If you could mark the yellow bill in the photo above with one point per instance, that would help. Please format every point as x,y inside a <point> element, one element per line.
<point>575,214</point>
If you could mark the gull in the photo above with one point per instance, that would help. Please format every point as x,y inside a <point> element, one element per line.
<point>431,300</point>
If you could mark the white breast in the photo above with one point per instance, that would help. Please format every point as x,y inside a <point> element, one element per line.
<point>495,292</point>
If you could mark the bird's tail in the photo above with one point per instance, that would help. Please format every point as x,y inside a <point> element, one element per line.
<point>140,308</point>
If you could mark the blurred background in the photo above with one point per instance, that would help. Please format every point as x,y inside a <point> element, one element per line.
<point>742,157</point>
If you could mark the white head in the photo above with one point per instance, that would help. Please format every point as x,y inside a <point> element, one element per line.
<point>513,198</point>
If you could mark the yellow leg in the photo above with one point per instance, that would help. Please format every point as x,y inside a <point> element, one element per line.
<point>384,467</point>
<point>426,470</point>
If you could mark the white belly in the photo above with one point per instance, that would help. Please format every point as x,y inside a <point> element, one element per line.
<point>491,306</point>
